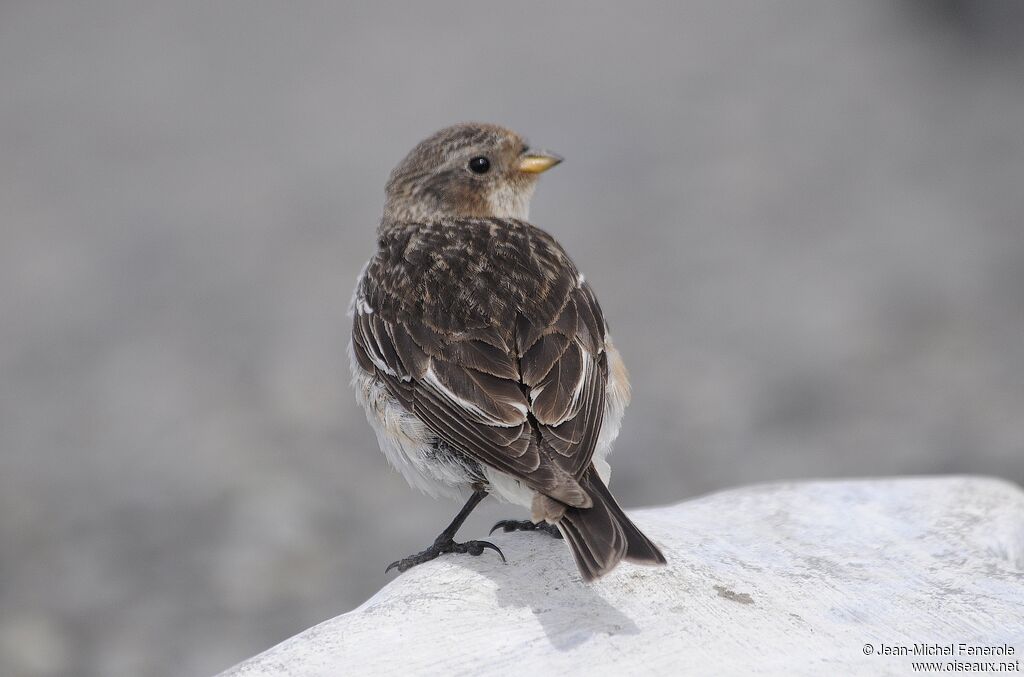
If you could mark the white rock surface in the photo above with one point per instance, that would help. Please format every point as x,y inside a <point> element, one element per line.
<point>784,579</point>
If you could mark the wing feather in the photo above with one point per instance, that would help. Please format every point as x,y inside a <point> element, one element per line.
<point>552,400</point>
<point>536,364</point>
<point>480,397</point>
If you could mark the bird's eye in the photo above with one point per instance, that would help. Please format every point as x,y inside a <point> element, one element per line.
<point>479,165</point>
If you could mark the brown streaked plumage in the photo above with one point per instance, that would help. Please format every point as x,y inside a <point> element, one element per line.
<point>482,355</point>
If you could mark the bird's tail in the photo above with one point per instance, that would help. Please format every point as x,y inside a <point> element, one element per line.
<point>601,536</point>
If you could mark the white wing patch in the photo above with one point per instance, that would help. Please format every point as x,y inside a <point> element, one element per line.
<point>430,379</point>
<point>588,366</point>
<point>359,304</point>
<point>577,391</point>
<point>379,362</point>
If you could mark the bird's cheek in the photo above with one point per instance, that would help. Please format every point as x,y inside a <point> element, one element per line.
<point>508,200</point>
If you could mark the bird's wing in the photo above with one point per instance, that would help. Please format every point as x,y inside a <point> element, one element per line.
<point>564,368</point>
<point>529,404</point>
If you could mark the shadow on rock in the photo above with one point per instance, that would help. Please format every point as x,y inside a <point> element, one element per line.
<point>541,576</point>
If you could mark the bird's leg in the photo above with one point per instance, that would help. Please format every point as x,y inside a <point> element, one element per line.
<point>445,543</point>
<point>527,525</point>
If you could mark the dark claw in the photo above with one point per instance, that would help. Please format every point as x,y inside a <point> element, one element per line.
<point>474,548</point>
<point>505,525</point>
<point>526,525</point>
<point>486,544</point>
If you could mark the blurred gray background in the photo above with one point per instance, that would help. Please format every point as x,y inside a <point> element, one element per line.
<point>803,219</point>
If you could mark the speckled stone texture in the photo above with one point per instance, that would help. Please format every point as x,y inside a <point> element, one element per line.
<point>780,579</point>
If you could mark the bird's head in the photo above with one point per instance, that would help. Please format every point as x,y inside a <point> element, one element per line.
<point>467,170</point>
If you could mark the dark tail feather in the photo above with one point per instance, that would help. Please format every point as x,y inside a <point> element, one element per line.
<point>601,536</point>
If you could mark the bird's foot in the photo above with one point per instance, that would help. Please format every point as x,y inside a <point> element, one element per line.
<point>527,525</point>
<point>443,546</point>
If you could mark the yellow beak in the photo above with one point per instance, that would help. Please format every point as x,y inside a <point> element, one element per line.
<point>537,161</point>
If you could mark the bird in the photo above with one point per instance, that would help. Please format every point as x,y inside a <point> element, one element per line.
<point>482,357</point>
